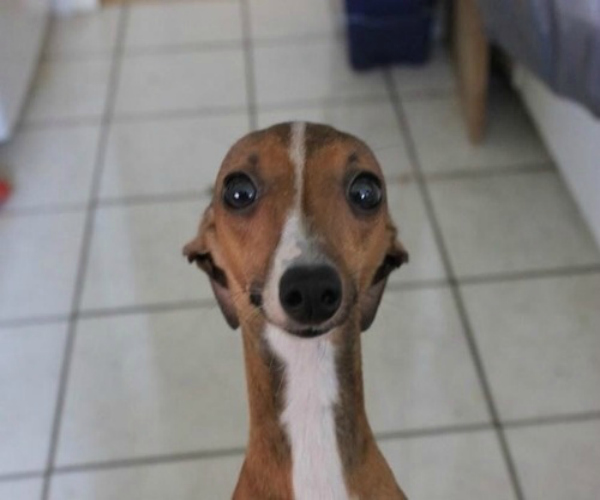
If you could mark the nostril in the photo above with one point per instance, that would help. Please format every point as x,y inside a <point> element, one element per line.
<point>329,297</point>
<point>293,298</point>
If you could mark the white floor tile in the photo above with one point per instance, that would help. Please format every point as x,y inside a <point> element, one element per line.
<point>181,82</point>
<point>540,344</point>
<point>177,23</point>
<point>136,256</point>
<point>168,156</point>
<point>310,72</point>
<point>556,462</point>
<point>30,362</point>
<point>154,384</point>
<point>84,33</point>
<point>210,479</point>
<point>50,166</point>
<point>289,18</point>
<point>436,75</point>
<point>68,89</point>
<point>39,256</point>
<point>28,489</point>
<point>511,223</point>
<point>441,138</point>
<point>415,232</point>
<point>451,467</point>
<point>417,368</point>
<point>375,123</point>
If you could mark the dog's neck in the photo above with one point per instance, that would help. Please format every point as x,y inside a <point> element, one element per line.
<point>308,429</point>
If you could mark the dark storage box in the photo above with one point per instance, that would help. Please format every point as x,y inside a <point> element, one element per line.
<point>382,32</point>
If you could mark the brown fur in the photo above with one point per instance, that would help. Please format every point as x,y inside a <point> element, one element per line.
<point>235,249</point>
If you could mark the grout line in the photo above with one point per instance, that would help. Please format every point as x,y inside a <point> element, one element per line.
<point>296,40</point>
<point>140,117</point>
<point>559,272</point>
<point>148,309</point>
<point>403,178</point>
<point>204,112</point>
<point>157,198</point>
<point>405,286</point>
<point>149,460</point>
<point>433,431</point>
<point>461,173</point>
<point>410,285</point>
<point>222,45</point>
<point>89,55</point>
<point>415,433</point>
<point>67,122</point>
<point>467,328</point>
<point>20,476</point>
<point>201,112</point>
<point>85,250</point>
<point>402,286</point>
<point>179,113</point>
<point>183,48</point>
<point>328,102</point>
<point>250,67</point>
<point>117,201</point>
<point>572,418</point>
<point>38,210</point>
<point>35,321</point>
<point>196,46</point>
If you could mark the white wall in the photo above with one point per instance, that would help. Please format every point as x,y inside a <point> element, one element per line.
<point>22,29</point>
<point>572,135</point>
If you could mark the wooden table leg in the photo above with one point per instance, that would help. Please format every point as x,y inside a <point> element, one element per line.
<point>472,54</point>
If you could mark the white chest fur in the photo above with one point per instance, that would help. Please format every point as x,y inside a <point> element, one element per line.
<point>308,415</point>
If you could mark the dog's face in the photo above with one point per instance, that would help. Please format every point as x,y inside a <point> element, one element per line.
<point>298,231</point>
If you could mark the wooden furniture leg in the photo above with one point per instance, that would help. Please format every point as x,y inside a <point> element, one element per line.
<point>472,55</point>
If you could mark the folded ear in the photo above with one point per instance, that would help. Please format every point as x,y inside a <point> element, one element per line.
<point>199,251</point>
<point>394,258</point>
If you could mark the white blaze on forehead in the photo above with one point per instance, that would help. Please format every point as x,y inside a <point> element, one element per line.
<point>298,157</point>
<point>311,389</point>
<point>293,242</point>
<point>308,417</point>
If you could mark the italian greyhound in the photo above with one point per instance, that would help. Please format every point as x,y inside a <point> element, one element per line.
<point>298,244</point>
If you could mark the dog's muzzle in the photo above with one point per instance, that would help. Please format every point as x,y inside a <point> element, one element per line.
<point>310,295</point>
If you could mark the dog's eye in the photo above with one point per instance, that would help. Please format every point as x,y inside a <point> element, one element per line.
<point>365,192</point>
<point>239,191</point>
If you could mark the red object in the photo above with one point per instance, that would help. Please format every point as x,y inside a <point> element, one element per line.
<point>4,191</point>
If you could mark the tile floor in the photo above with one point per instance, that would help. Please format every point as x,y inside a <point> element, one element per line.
<point>119,378</point>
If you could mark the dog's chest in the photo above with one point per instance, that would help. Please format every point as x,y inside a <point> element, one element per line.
<point>311,393</point>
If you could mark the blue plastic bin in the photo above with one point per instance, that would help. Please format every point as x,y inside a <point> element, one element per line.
<point>382,32</point>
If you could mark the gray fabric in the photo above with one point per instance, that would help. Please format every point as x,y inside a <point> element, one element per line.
<point>559,40</point>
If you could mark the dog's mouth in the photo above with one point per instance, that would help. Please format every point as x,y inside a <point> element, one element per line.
<point>301,330</point>
<point>310,333</point>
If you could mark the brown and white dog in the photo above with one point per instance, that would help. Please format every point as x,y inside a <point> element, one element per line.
<point>298,244</point>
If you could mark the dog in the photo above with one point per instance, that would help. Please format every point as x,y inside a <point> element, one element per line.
<point>298,245</point>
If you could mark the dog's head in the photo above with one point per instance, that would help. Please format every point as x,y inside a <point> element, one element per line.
<point>298,231</point>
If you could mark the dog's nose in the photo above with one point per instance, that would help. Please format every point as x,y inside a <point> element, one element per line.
<point>310,294</point>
